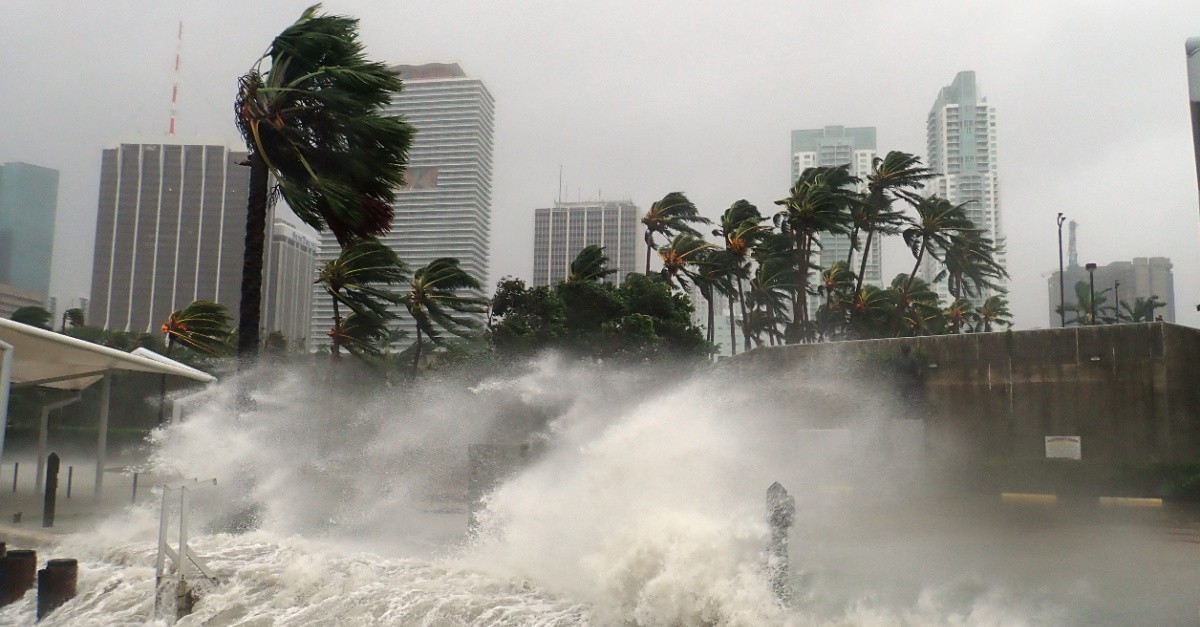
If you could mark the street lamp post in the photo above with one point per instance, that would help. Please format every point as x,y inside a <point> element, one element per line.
<point>1091,268</point>
<point>1062,299</point>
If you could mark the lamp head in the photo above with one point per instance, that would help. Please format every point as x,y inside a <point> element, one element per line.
<point>1091,267</point>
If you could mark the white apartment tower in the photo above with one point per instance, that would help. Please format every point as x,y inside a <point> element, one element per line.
<point>445,210</point>
<point>561,231</point>
<point>836,146</point>
<point>961,138</point>
<point>288,276</point>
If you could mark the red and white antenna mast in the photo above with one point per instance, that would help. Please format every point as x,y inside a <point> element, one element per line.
<point>175,86</point>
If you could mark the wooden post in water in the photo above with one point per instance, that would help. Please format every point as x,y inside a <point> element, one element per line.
<point>56,585</point>
<point>18,569</point>
<point>48,501</point>
<point>781,513</point>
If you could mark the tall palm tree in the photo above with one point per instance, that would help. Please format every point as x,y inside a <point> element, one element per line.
<point>1083,307</point>
<point>710,271</point>
<point>74,316</point>
<point>741,228</point>
<point>993,311</point>
<point>896,176</point>
<point>917,310</point>
<point>937,221</point>
<point>434,298</point>
<point>769,295</point>
<point>358,278</point>
<point>310,112</point>
<point>202,326</point>
<point>960,314</point>
<point>837,286</point>
<point>970,264</point>
<point>669,216</point>
<point>819,202</point>
<point>591,264</point>
<point>683,251</point>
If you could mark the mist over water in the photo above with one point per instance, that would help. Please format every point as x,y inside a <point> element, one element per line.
<point>644,506</point>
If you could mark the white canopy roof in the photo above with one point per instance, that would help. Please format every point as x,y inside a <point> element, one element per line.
<point>50,359</point>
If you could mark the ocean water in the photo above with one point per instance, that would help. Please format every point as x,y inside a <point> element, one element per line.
<point>645,506</point>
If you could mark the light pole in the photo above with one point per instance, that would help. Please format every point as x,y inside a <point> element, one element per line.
<point>1062,304</point>
<point>1091,268</point>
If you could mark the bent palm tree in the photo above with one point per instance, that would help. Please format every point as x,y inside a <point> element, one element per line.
<point>673,214</point>
<point>938,220</point>
<point>433,300</point>
<point>1142,309</point>
<point>202,326</point>
<point>356,279</point>
<point>742,229</point>
<point>74,316</point>
<point>591,264</point>
<point>994,310</point>
<point>895,176</point>
<point>312,121</point>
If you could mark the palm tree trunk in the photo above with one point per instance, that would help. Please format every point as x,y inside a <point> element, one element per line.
<point>417,352</point>
<point>732,330</point>
<point>742,302</point>
<point>916,266</point>
<point>862,269</point>
<point>853,247</point>
<point>649,240</point>
<point>336,350</point>
<point>252,263</point>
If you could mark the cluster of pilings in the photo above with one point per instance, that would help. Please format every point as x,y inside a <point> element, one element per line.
<point>55,583</point>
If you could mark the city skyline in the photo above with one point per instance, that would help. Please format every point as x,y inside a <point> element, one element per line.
<point>561,231</point>
<point>708,123</point>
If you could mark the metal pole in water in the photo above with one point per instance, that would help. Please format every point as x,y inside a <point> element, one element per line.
<point>16,467</point>
<point>135,487</point>
<point>781,513</point>
<point>48,501</point>
<point>70,475</point>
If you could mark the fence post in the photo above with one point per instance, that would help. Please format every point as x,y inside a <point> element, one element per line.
<point>48,501</point>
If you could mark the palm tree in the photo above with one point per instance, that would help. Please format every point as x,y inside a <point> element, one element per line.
<point>711,270</point>
<point>837,286</point>
<point>202,326</point>
<point>970,264</point>
<point>433,299</point>
<point>673,214</point>
<point>872,310</point>
<point>33,316</point>
<point>741,228</point>
<point>917,309</point>
<point>960,314</point>
<point>819,202</point>
<point>1083,308</point>
<point>994,310</point>
<point>770,292</point>
<point>357,278</point>
<point>310,113</point>
<point>590,264</point>
<point>895,176</point>
<point>1142,309</point>
<point>937,221</point>
<point>684,250</point>
<point>73,316</point>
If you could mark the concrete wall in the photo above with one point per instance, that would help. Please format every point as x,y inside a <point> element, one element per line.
<point>1131,391</point>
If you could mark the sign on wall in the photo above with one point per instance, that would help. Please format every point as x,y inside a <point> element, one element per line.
<point>1064,446</point>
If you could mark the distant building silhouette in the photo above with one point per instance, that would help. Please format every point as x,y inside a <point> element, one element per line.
<point>170,229</point>
<point>28,200</point>
<point>288,276</point>
<point>1142,277</point>
<point>561,231</point>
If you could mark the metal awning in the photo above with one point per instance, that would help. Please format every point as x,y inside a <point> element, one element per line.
<point>33,356</point>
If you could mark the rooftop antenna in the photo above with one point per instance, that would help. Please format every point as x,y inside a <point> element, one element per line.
<point>175,86</point>
<point>559,201</point>
<point>1072,252</point>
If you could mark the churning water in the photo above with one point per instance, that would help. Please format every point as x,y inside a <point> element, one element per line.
<point>643,506</point>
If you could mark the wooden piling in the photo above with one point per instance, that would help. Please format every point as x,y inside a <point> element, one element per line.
<point>56,585</point>
<point>781,513</point>
<point>18,571</point>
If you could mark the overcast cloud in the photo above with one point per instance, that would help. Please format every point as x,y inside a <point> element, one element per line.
<point>637,99</point>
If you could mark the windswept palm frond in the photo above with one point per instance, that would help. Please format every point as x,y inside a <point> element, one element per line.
<point>202,326</point>
<point>591,264</point>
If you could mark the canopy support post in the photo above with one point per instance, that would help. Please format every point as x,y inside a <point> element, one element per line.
<point>6,363</point>
<point>102,438</point>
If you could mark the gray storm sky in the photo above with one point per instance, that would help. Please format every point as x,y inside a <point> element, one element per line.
<point>637,99</point>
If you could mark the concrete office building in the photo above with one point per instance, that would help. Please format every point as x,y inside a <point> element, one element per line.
<point>961,145</point>
<point>561,231</point>
<point>835,146</point>
<point>287,288</point>
<point>1142,277</point>
<point>446,208</point>
<point>170,229</point>
<point>28,200</point>
<point>1192,49</point>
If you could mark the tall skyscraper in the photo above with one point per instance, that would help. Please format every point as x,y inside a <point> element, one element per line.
<point>170,229</point>
<point>288,276</point>
<point>961,142</point>
<point>28,200</point>
<point>561,231</point>
<point>446,208</point>
<point>835,146</point>
<point>1192,48</point>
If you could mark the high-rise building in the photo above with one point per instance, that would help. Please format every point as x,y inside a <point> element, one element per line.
<point>836,146</point>
<point>1143,277</point>
<point>170,229</point>
<point>961,144</point>
<point>445,210</point>
<point>1192,48</point>
<point>28,200</point>
<point>287,288</point>
<point>561,231</point>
